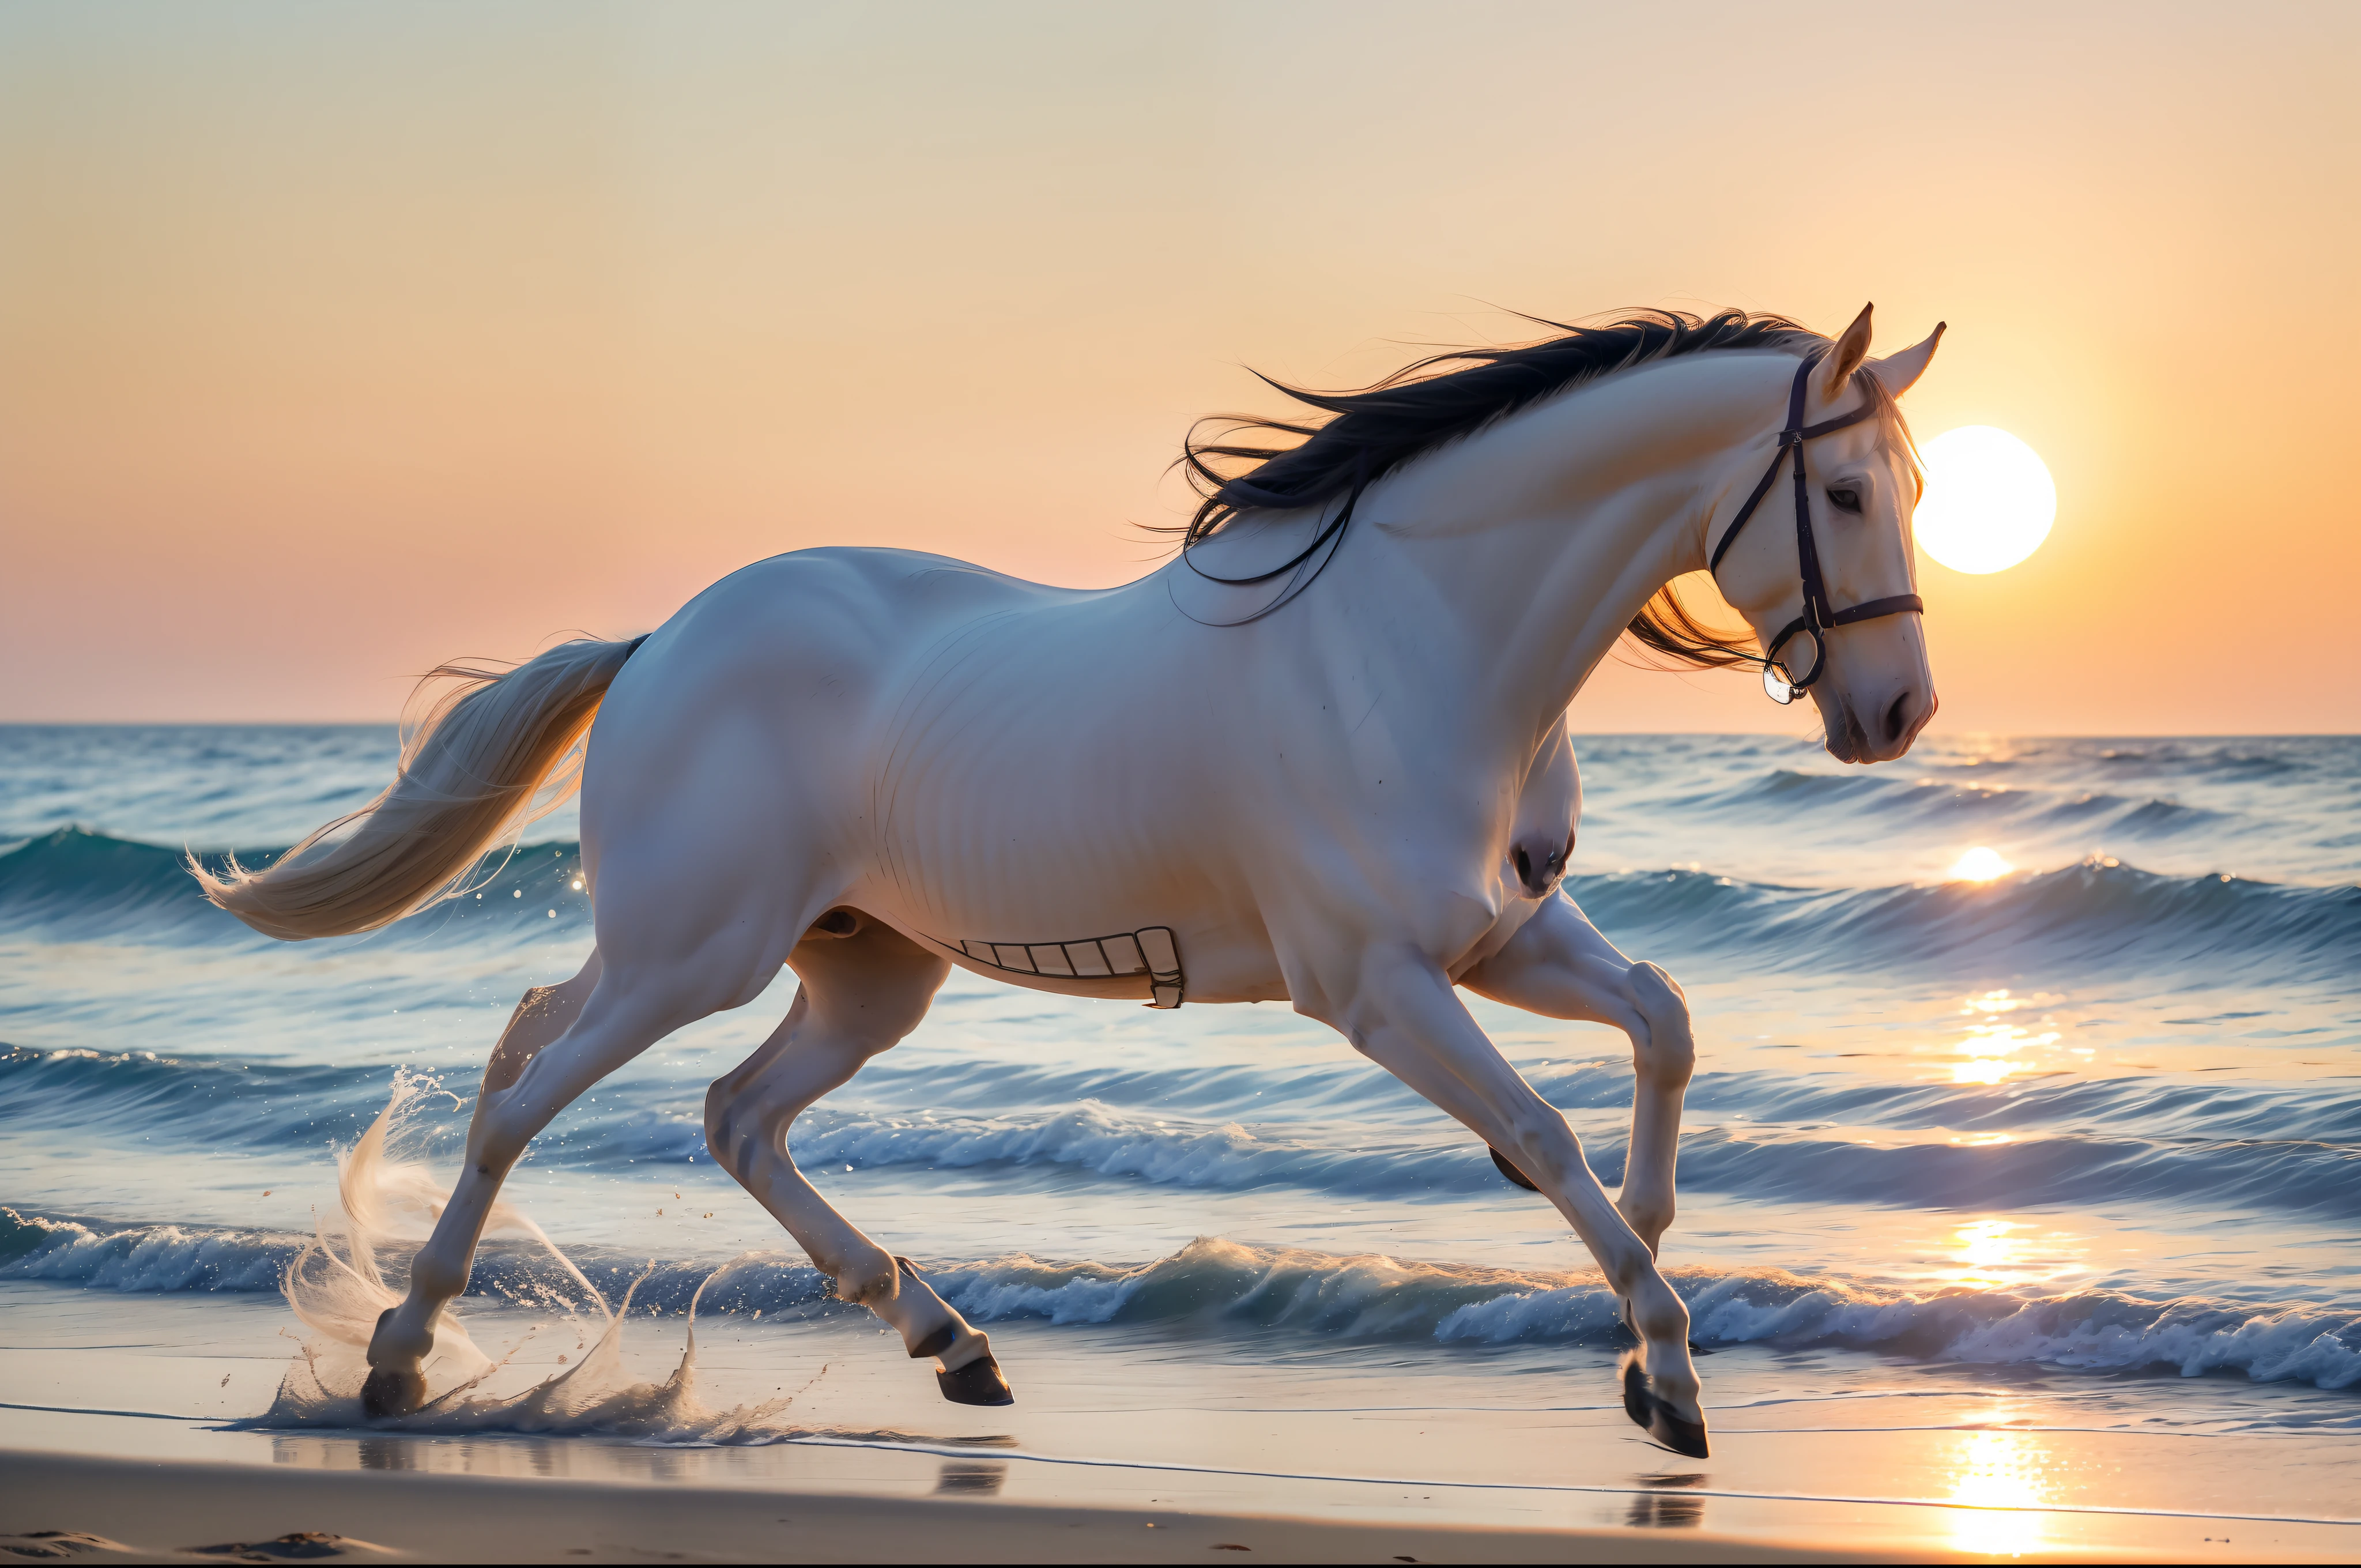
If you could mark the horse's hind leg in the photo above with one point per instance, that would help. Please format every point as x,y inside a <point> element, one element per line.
<point>543,1017</point>
<point>864,987</point>
<point>542,1014</point>
<point>685,929</point>
<point>614,1024</point>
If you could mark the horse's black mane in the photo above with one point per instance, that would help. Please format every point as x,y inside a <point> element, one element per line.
<point>1370,433</point>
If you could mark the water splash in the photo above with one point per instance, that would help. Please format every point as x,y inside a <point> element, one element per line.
<point>336,1286</point>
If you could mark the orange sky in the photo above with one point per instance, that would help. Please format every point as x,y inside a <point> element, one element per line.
<point>337,341</point>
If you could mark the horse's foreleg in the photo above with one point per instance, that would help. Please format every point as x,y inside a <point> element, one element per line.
<point>533,1074</point>
<point>1402,1012</point>
<point>1559,966</point>
<point>861,992</point>
<point>1662,1061</point>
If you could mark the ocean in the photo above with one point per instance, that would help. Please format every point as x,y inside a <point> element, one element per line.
<point>2082,1136</point>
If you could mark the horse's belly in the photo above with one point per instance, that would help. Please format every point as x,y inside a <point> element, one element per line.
<point>1078,881</point>
<point>1077,914</point>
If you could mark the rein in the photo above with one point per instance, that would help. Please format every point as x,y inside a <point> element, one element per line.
<point>1779,679</point>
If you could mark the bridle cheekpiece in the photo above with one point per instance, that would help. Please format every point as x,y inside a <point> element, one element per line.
<point>1779,677</point>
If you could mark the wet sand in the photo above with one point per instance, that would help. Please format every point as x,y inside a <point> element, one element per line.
<point>358,1500</point>
<point>122,1419</point>
<point>161,1511</point>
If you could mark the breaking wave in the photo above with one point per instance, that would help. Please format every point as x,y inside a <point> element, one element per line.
<point>1214,1286</point>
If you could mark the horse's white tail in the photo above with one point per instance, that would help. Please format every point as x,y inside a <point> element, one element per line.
<point>471,767</point>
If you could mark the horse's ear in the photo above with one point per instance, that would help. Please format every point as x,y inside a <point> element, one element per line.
<point>1899,372</point>
<point>1844,358</point>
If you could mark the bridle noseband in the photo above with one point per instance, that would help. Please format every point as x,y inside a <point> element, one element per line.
<point>1820,616</point>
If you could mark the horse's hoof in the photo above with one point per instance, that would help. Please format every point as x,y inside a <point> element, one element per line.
<point>1658,1419</point>
<point>1635,1390</point>
<point>977,1383</point>
<point>388,1394</point>
<point>1512,1172</point>
<point>1683,1437</point>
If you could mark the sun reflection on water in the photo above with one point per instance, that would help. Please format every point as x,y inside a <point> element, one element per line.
<point>1982,1071</point>
<point>1996,1474</point>
<point>1985,1249</point>
<point>1996,1253</point>
<point>1982,863</point>
<point>1992,1042</point>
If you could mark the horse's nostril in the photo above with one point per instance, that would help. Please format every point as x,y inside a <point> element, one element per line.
<point>1524,867</point>
<point>1897,718</point>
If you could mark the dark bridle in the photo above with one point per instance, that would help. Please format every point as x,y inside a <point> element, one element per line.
<point>1779,678</point>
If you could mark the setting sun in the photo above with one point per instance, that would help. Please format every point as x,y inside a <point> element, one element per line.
<point>1989,502</point>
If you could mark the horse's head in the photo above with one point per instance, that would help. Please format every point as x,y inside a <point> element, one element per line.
<point>1869,675</point>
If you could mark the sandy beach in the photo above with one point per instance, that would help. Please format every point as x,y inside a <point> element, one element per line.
<point>1117,1452</point>
<point>358,1498</point>
<point>124,1510</point>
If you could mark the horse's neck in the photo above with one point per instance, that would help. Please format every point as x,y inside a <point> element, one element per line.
<point>1540,538</point>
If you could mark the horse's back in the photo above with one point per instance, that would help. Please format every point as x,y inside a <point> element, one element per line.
<point>793,668</point>
<point>843,610</point>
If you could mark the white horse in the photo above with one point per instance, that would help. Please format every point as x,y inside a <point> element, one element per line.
<point>1300,763</point>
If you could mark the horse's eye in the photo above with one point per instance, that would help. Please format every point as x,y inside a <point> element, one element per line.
<point>1845,497</point>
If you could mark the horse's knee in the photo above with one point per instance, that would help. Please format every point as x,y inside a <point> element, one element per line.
<point>1545,1148</point>
<point>1668,1057</point>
